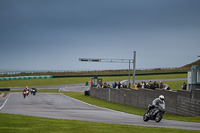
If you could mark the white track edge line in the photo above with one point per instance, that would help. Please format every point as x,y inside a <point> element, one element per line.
<point>5,102</point>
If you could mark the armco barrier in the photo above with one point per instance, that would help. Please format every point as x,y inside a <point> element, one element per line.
<point>185,103</point>
<point>26,77</point>
<point>4,89</point>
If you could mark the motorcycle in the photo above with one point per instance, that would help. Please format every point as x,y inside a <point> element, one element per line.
<point>34,90</point>
<point>154,113</point>
<point>27,92</point>
<point>24,94</point>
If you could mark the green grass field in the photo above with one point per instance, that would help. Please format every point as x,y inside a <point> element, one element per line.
<point>64,81</point>
<point>29,124</point>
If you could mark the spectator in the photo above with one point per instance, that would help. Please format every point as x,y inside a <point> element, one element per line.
<point>119,85</point>
<point>138,85</point>
<point>123,85</point>
<point>105,85</point>
<point>98,86</point>
<point>143,85</point>
<point>108,86</point>
<point>150,85</point>
<point>184,86</point>
<point>156,85</point>
<point>129,85</point>
<point>147,86</point>
<point>166,87</point>
<point>115,85</point>
<point>161,85</point>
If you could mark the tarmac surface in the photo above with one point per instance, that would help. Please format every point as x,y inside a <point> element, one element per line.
<point>59,106</point>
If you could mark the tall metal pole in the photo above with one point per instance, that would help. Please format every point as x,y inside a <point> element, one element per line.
<point>129,84</point>
<point>134,61</point>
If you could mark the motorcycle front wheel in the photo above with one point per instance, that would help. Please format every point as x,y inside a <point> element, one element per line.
<point>145,117</point>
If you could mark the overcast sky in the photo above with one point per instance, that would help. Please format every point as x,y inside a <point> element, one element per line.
<point>54,34</point>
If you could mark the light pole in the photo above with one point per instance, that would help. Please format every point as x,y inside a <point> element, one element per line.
<point>134,61</point>
<point>115,61</point>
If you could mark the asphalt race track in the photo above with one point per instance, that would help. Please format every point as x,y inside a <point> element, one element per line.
<point>59,106</point>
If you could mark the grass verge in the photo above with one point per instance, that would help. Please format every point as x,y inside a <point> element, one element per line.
<point>10,123</point>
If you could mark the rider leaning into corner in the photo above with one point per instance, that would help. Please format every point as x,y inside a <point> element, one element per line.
<point>158,102</point>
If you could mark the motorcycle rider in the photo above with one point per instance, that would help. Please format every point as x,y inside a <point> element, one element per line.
<point>24,93</point>
<point>158,102</point>
<point>27,90</point>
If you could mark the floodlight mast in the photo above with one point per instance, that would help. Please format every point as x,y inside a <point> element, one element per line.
<point>106,60</point>
<point>134,61</point>
<point>115,61</point>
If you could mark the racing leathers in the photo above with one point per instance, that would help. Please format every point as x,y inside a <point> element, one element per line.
<point>157,103</point>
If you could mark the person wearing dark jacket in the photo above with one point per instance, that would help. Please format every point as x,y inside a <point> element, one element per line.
<point>184,86</point>
<point>161,85</point>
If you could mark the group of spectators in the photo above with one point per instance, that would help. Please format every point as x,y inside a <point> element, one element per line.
<point>152,85</point>
<point>113,85</point>
<point>148,85</point>
<point>143,84</point>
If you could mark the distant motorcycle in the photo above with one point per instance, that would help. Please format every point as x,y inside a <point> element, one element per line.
<point>24,94</point>
<point>154,113</point>
<point>33,91</point>
<point>27,92</point>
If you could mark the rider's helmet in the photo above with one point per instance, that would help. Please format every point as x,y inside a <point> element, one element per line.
<point>161,98</point>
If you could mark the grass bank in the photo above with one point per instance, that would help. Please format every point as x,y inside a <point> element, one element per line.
<point>10,123</point>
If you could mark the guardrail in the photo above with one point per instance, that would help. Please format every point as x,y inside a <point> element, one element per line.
<point>4,89</point>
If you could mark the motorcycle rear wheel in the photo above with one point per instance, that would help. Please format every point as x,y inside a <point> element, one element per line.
<point>158,117</point>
